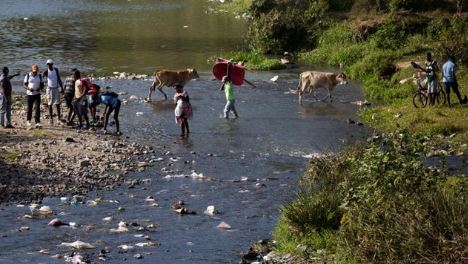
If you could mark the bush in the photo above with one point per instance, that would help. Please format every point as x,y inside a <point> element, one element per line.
<point>393,208</point>
<point>275,30</point>
<point>256,61</point>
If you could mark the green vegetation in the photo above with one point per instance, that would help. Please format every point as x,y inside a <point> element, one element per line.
<point>9,155</point>
<point>377,203</point>
<point>256,61</point>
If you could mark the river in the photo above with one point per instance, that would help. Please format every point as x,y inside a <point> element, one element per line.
<point>250,166</point>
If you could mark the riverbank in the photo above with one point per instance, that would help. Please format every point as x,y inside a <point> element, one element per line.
<point>60,161</point>
<point>399,197</point>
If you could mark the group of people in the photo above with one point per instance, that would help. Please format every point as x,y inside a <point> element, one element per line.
<point>449,79</point>
<point>80,95</point>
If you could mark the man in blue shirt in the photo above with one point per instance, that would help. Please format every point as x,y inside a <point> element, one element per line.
<point>450,80</point>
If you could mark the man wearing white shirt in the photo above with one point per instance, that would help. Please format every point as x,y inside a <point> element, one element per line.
<point>53,95</point>
<point>33,85</point>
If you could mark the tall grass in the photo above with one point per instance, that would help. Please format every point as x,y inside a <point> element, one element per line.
<point>378,204</point>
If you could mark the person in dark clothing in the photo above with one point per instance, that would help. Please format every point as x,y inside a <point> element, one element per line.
<point>5,98</point>
<point>69,94</point>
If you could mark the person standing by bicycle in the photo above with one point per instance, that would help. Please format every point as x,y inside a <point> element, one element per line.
<point>450,80</point>
<point>431,75</point>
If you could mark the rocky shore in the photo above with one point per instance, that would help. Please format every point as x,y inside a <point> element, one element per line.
<point>57,160</point>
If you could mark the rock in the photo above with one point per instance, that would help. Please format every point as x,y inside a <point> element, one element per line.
<point>138,256</point>
<point>126,248</point>
<point>224,225</point>
<point>185,211</point>
<point>69,139</point>
<point>43,211</point>
<point>350,121</point>
<point>210,210</point>
<point>78,245</point>
<point>24,229</point>
<point>56,222</point>
<point>85,163</point>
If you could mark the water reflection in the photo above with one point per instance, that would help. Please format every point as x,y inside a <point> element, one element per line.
<point>107,36</point>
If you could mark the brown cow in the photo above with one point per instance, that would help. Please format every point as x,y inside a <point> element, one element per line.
<point>171,78</point>
<point>312,80</point>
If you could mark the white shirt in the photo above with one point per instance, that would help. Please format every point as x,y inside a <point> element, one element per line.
<point>34,83</point>
<point>52,78</point>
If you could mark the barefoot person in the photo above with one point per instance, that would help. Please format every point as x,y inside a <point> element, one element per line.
<point>80,103</point>
<point>53,94</point>
<point>33,85</point>
<point>230,101</point>
<point>112,103</point>
<point>5,98</point>
<point>450,80</point>
<point>183,110</point>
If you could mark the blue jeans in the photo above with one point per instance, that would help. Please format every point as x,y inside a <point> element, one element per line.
<point>230,106</point>
<point>5,111</point>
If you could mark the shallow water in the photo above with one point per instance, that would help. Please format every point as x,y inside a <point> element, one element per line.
<point>102,36</point>
<point>269,144</point>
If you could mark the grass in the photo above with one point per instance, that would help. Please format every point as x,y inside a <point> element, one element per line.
<point>256,61</point>
<point>237,6</point>
<point>392,209</point>
<point>38,133</point>
<point>10,155</point>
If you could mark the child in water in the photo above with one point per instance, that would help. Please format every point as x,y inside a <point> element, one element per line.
<point>183,110</point>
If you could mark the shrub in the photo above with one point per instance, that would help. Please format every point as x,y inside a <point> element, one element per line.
<point>274,30</point>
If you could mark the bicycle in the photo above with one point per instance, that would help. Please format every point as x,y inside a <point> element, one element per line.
<point>420,98</point>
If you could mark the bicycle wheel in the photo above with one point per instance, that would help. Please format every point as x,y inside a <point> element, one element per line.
<point>441,98</point>
<point>419,100</point>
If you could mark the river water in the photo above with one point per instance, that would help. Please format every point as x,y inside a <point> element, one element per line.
<point>247,167</point>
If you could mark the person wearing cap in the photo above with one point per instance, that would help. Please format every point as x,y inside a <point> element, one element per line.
<point>69,93</point>
<point>53,95</point>
<point>230,101</point>
<point>33,85</point>
<point>5,98</point>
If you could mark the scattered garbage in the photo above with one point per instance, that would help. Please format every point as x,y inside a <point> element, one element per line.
<point>139,113</point>
<point>78,245</point>
<point>275,78</point>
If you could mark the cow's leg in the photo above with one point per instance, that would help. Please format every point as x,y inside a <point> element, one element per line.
<point>160,86</point>
<point>330,96</point>
<point>150,90</point>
